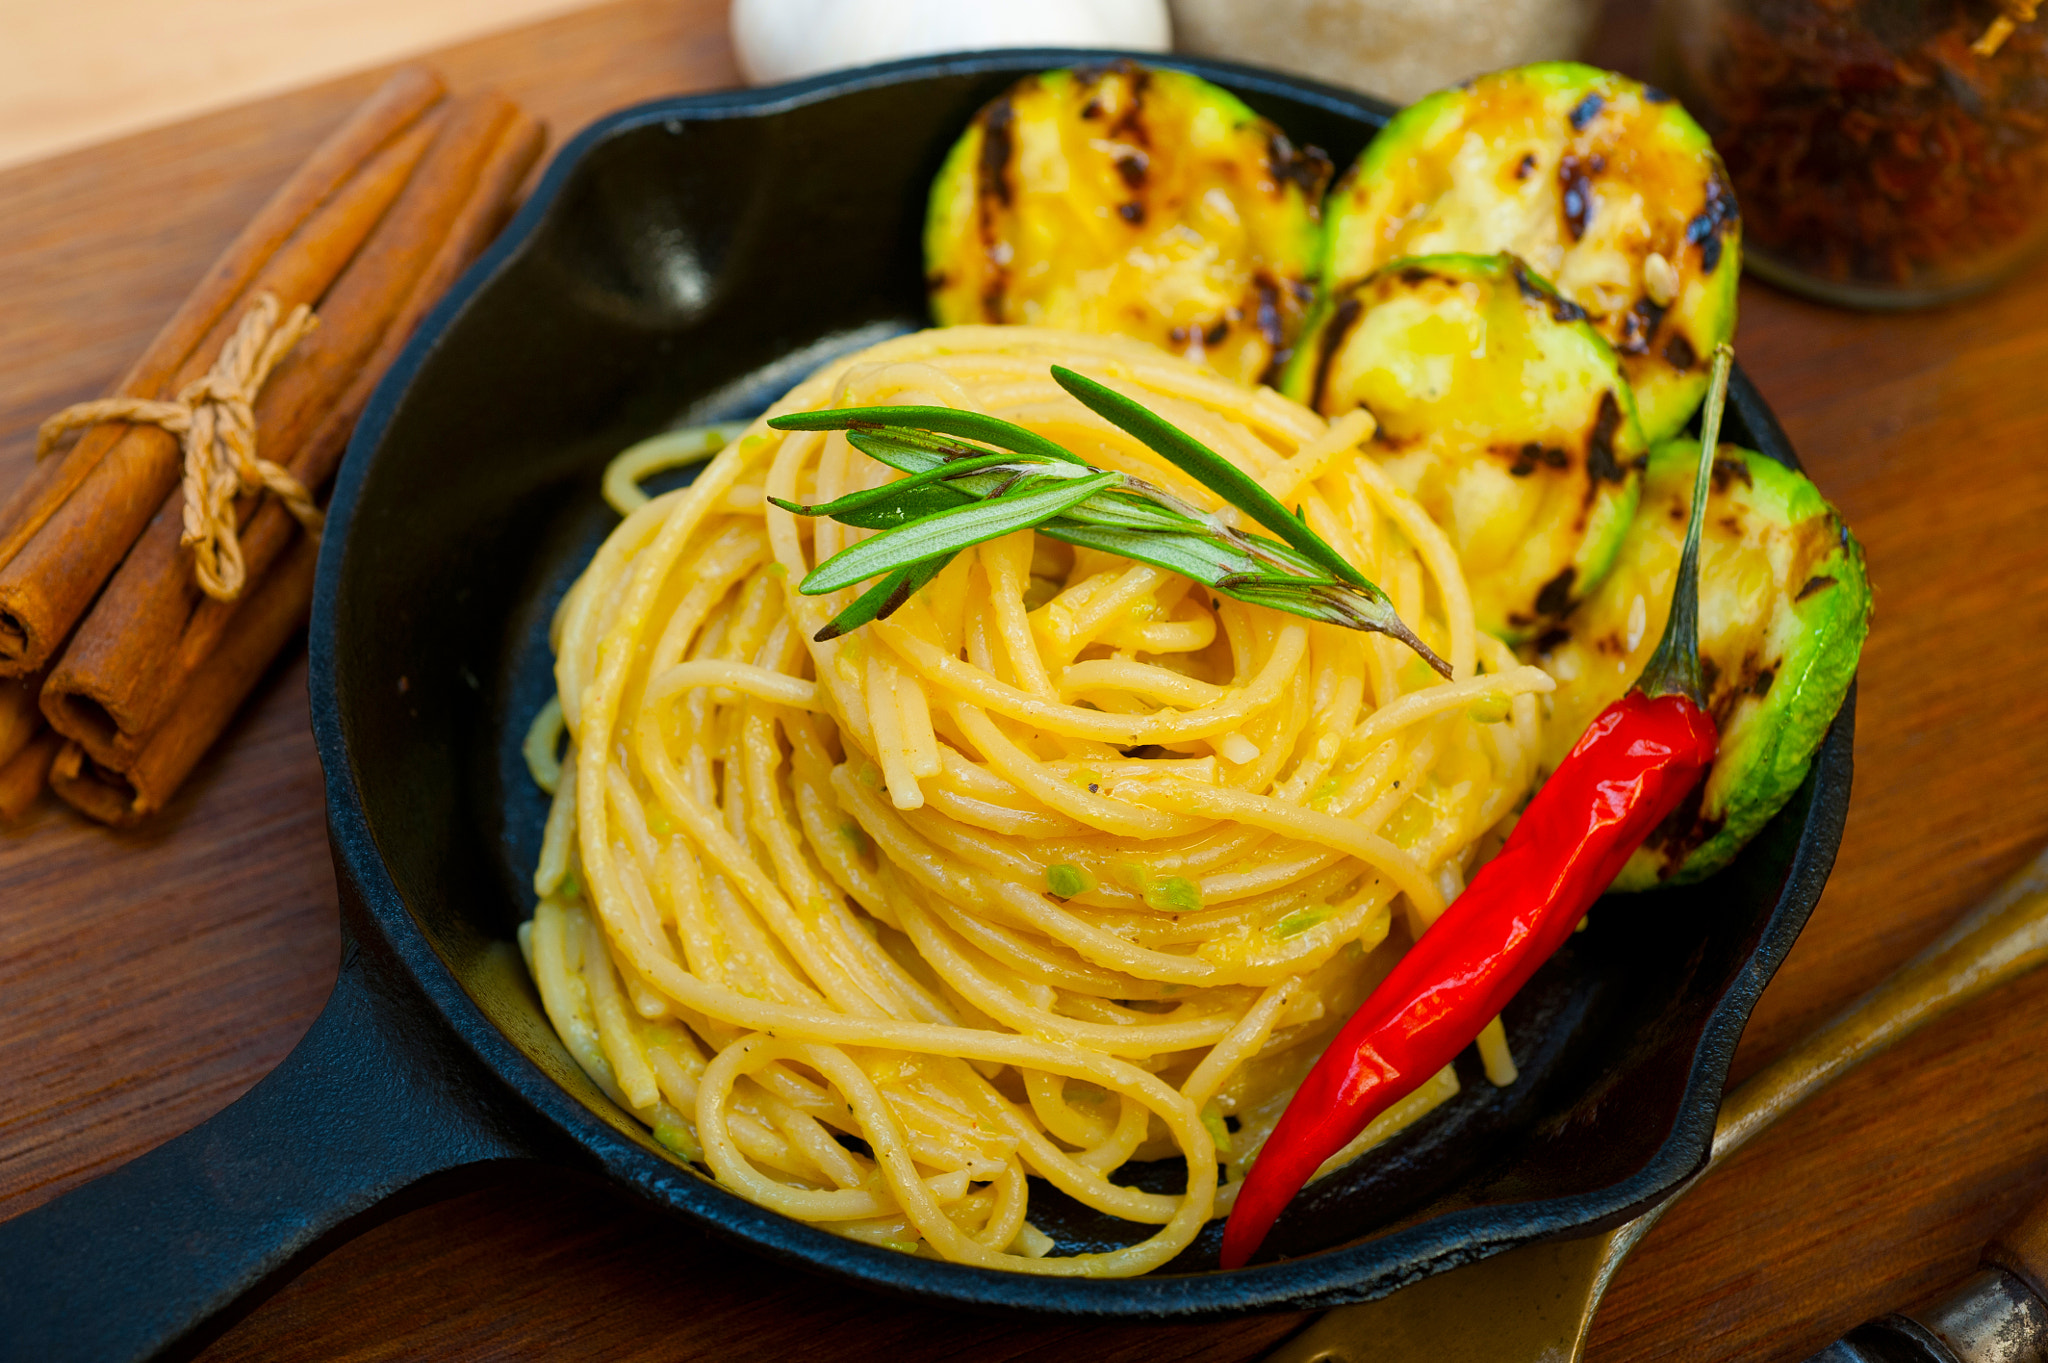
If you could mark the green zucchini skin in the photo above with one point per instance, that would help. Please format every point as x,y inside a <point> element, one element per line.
<point>1499,409</point>
<point>1785,605</point>
<point>1581,172</point>
<point>1131,201</point>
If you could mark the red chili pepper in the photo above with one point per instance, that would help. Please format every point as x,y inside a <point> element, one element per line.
<point>1632,767</point>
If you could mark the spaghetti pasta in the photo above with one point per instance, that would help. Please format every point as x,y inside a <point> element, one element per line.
<point>1065,864</point>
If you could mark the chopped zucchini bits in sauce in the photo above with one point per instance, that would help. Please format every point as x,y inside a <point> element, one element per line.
<point>1604,185</point>
<point>1783,608</point>
<point>1499,409</point>
<point>1130,201</point>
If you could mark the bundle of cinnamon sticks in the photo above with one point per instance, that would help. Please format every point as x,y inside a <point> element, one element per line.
<point>124,671</point>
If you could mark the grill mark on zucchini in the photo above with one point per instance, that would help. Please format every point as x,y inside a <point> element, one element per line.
<point>1639,327</point>
<point>992,188</point>
<point>1130,124</point>
<point>1678,352</point>
<point>1600,460</point>
<point>1751,679</point>
<point>1270,326</point>
<point>1329,343</point>
<point>1556,595</point>
<point>1575,188</point>
<point>1684,829</point>
<point>1728,472</point>
<point>1531,455</point>
<point>1713,222</point>
<point>1814,585</point>
<point>1307,167</point>
<point>997,147</point>
<point>1562,309</point>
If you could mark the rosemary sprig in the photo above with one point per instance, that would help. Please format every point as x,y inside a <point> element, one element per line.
<point>973,477</point>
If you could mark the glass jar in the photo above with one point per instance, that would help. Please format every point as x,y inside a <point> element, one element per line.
<point>1885,153</point>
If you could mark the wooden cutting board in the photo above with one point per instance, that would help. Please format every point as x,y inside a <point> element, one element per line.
<point>147,979</point>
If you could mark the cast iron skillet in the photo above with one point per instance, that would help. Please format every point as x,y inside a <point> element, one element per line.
<point>682,261</point>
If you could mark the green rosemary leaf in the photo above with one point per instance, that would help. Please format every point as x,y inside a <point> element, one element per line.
<point>1294,586</point>
<point>914,505</point>
<point>881,600</point>
<point>1223,555</point>
<point>1338,604</point>
<point>857,501</point>
<point>1211,469</point>
<point>1189,554</point>
<point>949,531</point>
<point>912,451</point>
<point>943,420</point>
<point>959,493</point>
<point>1230,572</point>
<point>1133,511</point>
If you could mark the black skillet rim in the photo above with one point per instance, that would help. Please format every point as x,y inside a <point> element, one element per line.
<point>1348,1273</point>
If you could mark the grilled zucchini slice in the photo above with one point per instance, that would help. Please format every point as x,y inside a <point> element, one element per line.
<point>1499,409</point>
<point>1604,185</point>
<point>1131,201</point>
<point>1784,607</point>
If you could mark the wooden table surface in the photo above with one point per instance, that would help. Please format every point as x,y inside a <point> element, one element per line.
<point>89,70</point>
<point>148,979</point>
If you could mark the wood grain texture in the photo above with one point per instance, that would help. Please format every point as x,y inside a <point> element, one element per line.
<point>84,71</point>
<point>148,979</point>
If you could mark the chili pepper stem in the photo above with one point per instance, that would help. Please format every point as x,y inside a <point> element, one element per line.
<point>1674,668</point>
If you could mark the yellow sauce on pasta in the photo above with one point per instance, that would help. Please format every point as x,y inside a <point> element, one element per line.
<point>1065,864</point>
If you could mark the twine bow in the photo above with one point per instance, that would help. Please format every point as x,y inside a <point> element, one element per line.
<point>214,417</point>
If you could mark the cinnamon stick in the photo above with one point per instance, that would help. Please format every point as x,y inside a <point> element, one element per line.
<point>22,775</point>
<point>271,613</point>
<point>152,627</point>
<point>20,717</point>
<point>395,107</point>
<point>55,558</point>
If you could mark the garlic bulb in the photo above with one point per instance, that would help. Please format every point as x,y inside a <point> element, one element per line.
<point>781,40</point>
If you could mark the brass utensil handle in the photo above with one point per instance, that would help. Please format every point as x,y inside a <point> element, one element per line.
<point>1999,940</point>
<point>1537,1302</point>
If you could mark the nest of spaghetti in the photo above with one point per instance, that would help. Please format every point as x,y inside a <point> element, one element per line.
<point>1066,864</point>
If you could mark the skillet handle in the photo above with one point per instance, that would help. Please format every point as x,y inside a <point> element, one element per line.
<point>152,1261</point>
